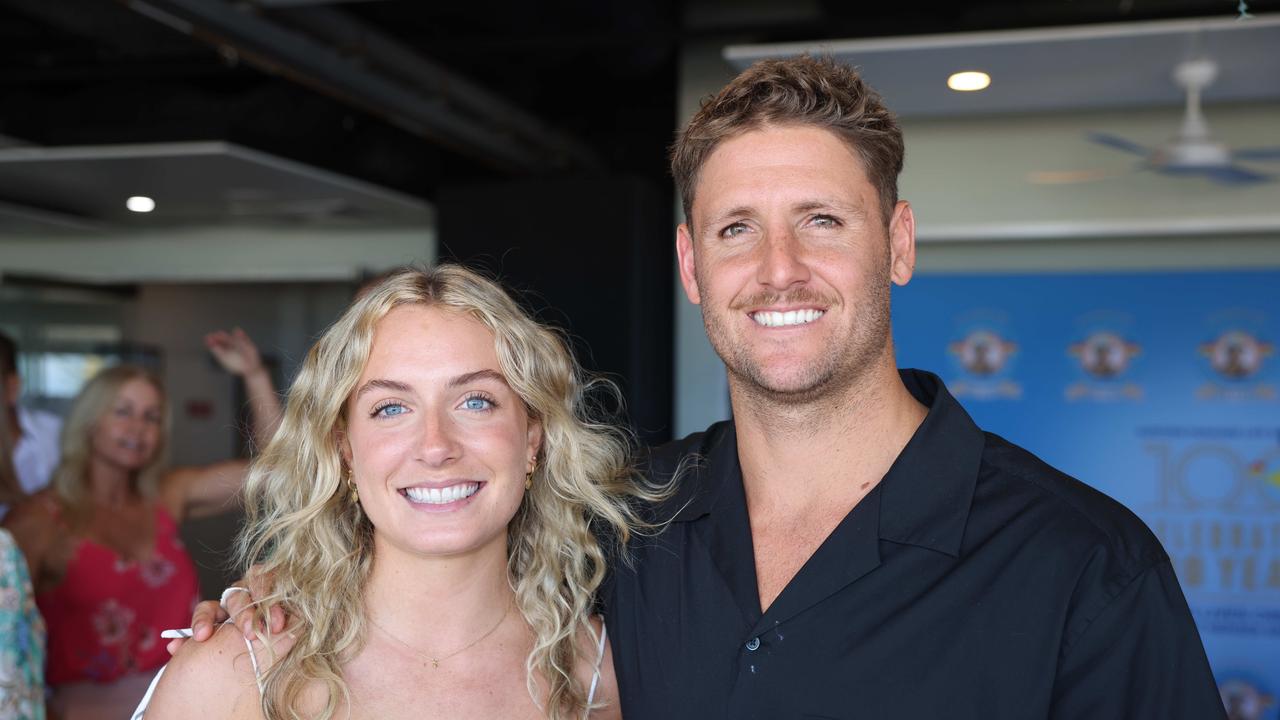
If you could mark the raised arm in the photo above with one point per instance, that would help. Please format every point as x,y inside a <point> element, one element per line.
<point>238,355</point>
<point>210,489</point>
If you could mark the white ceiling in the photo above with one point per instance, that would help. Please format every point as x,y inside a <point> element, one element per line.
<point>1053,69</point>
<point>84,188</point>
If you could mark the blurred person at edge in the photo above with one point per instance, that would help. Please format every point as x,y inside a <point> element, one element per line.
<point>33,434</point>
<point>426,514</point>
<point>102,544</point>
<point>21,629</point>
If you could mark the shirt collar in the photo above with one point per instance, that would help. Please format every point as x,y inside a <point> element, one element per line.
<point>927,492</point>
<point>712,462</point>
<point>925,496</point>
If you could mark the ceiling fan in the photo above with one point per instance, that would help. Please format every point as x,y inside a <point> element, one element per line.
<point>1194,150</point>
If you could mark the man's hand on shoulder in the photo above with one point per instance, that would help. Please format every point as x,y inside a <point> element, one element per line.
<point>210,680</point>
<point>210,614</point>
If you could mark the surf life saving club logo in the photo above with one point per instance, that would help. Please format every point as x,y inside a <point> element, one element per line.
<point>1105,357</point>
<point>1237,357</point>
<point>984,354</point>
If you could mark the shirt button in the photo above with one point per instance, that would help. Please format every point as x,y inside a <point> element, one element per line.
<point>753,644</point>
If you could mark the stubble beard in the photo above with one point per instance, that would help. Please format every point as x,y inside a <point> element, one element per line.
<point>852,355</point>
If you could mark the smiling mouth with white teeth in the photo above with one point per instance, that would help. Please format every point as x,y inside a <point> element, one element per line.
<point>771,318</point>
<point>440,496</point>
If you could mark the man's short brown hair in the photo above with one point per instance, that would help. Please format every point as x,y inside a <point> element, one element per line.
<point>795,91</point>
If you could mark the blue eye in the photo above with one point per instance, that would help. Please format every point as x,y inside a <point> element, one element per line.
<point>733,230</point>
<point>475,402</point>
<point>390,410</point>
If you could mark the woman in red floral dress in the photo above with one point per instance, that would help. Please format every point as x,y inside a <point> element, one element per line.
<point>102,542</point>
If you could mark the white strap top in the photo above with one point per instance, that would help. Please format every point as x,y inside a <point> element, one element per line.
<point>253,658</point>
<point>595,675</point>
<point>146,699</point>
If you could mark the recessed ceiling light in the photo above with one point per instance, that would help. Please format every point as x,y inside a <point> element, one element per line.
<point>968,81</point>
<point>140,203</point>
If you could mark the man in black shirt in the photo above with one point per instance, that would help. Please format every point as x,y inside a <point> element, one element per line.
<point>851,545</point>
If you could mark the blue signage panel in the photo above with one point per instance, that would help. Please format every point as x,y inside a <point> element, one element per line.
<point>1161,390</point>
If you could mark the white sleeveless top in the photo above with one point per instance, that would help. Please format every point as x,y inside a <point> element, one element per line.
<point>253,658</point>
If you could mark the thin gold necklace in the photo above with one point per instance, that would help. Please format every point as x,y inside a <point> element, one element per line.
<point>435,661</point>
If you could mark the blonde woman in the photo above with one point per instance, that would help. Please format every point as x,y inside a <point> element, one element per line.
<point>102,544</point>
<point>426,514</point>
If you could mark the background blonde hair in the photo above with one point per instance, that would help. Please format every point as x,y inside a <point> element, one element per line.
<point>317,545</point>
<point>71,479</point>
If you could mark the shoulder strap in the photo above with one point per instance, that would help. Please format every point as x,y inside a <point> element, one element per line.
<point>146,699</point>
<point>257,674</point>
<point>595,676</point>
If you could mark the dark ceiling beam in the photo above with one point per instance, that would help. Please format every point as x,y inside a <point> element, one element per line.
<point>100,28</point>
<point>436,112</point>
<point>358,39</point>
<point>300,3</point>
<point>82,70</point>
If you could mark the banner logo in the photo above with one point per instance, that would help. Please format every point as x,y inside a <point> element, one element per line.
<point>1237,357</point>
<point>985,355</point>
<point>1236,354</point>
<point>1105,357</point>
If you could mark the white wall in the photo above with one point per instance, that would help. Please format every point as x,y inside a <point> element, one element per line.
<point>283,319</point>
<point>218,253</point>
<point>977,210</point>
<point>993,177</point>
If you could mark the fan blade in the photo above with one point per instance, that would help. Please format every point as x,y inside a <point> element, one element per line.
<point>1118,143</point>
<point>1226,175</point>
<point>1265,153</point>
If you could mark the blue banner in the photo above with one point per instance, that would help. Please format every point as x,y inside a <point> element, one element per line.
<point>1161,390</point>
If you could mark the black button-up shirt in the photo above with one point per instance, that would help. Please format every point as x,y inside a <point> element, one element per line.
<point>974,581</point>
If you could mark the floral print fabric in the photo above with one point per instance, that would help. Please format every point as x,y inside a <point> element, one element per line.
<point>105,617</point>
<point>21,639</point>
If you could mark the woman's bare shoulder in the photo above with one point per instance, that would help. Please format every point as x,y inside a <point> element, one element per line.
<point>36,527</point>
<point>40,507</point>
<point>210,680</point>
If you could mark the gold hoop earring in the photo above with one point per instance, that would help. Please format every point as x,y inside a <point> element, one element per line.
<point>528,477</point>
<point>351,486</point>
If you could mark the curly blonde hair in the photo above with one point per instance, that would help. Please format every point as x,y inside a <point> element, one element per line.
<point>71,478</point>
<point>317,546</point>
